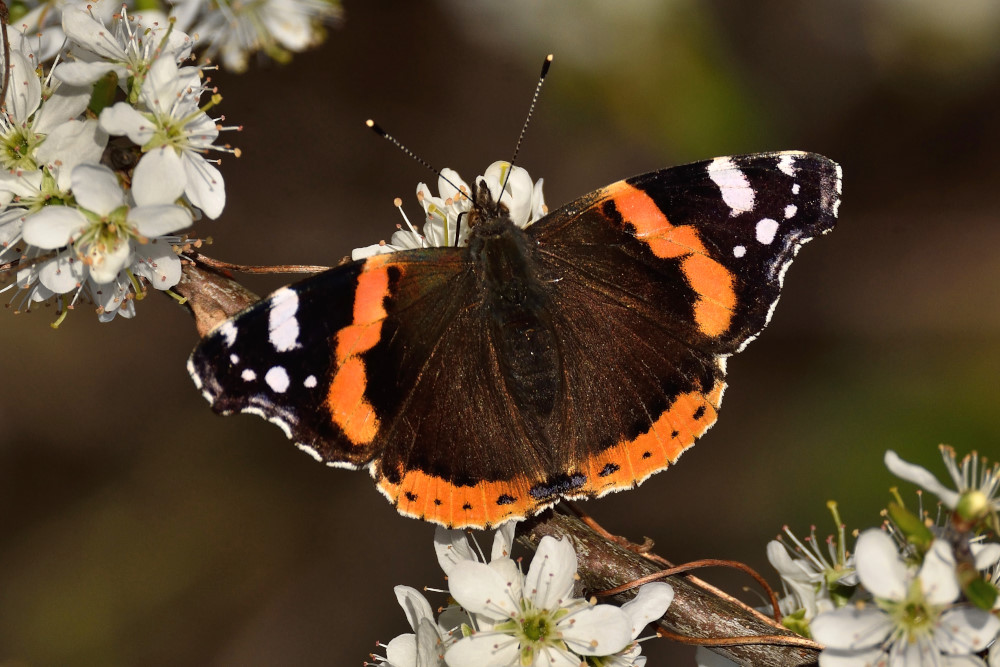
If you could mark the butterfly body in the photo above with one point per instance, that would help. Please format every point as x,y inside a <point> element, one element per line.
<point>571,358</point>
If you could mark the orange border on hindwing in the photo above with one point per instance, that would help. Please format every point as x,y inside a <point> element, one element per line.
<point>426,496</point>
<point>710,280</point>
<point>630,462</point>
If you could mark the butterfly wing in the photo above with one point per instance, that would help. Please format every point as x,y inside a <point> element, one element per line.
<point>661,277</point>
<point>385,363</point>
<point>300,358</point>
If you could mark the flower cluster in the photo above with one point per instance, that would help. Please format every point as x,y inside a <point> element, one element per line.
<point>104,155</point>
<point>921,591</point>
<point>444,225</point>
<point>503,616</point>
<point>231,31</point>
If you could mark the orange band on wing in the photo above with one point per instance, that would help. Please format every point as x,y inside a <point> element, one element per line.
<point>710,280</point>
<point>629,463</point>
<point>347,404</point>
<point>483,505</point>
<point>346,396</point>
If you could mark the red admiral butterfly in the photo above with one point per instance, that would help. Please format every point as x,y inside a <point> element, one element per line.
<point>569,359</point>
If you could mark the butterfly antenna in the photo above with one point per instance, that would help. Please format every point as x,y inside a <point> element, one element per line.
<point>531,109</point>
<point>377,129</point>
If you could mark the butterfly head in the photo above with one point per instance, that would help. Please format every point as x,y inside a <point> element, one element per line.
<point>485,208</point>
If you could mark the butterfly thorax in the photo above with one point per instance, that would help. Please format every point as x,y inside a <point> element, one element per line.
<point>515,310</point>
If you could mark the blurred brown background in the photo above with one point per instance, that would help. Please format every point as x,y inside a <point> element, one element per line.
<point>140,529</point>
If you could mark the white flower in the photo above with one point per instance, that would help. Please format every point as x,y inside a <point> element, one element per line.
<point>173,131</point>
<point>913,620</point>
<point>234,30</point>
<point>818,582</point>
<point>107,234</point>
<point>446,214</point>
<point>977,487</point>
<point>453,546</point>
<point>532,617</point>
<point>128,47</point>
<point>28,124</point>
<point>649,604</point>
<point>425,646</point>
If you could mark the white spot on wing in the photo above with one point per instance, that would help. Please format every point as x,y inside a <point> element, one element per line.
<point>234,359</point>
<point>277,379</point>
<point>739,251</point>
<point>282,326</point>
<point>309,382</point>
<point>840,180</point>
<point>733,183</point>
<point>248,375</point>
<point>786,164</point>
<point>766,229</point>
<point>795,188</point>
<point>228,331</point>
<point>791,210</point>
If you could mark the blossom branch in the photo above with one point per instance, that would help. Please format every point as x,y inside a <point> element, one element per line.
<point>699,610</point>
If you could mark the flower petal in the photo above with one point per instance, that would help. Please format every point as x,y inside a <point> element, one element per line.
<point>402,650</point>
<point>965,629</point>
<point>986,555</point>
<point>879,566</point>
<point>123,118</point>
<point>159,177</point>
<point>649,605</point>
<point>157,262</point>
<point>503,540</point>
<point>62,274</point>
<point>205,186</point>
<point>556,657</point>
<point>851,627</point>
<point>71,143</point>
<point>110,297</point>
<point>159,220</point>
<point>429,645</point>
<point>105,265</point>
<point>92,35</point>
<point>549,582</point>
<point>53,226</point>
<point>921,477</point>
<point>485,649</point>
<point>483,589</point>
<point>24,92</point>
<point>11,224</point>
<point>65,104</point>
<point>451,547</point>
<point>937,574</point>
<point>601,629</point>
<point>415,605</point>
<point>82,73</point>
<point>96,188</point>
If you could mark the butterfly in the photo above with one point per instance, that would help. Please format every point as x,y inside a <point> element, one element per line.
<point>568,359</point>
